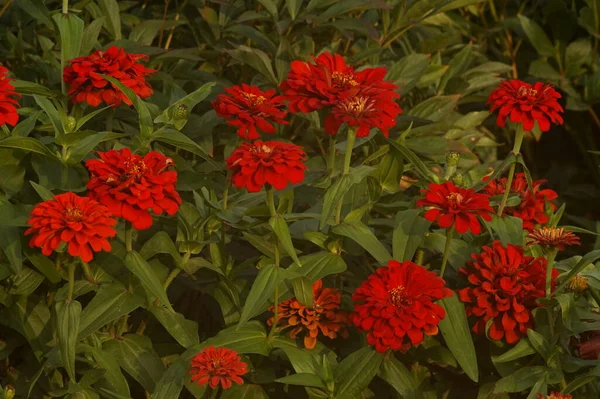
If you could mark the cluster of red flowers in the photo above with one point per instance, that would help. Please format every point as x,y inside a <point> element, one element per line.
<point>84,75</point>
<point>324,316</point>
<point>395,305</point>
<point>450,205</point>
<point>532,208</point>
<point>220,366</point>
<point>504,285</point>
<point>8,103</point>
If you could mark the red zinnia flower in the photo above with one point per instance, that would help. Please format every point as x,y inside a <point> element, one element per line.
<point>555,395</point>
<point>86,84</point>
<point>532,207</point>
<point>8,109</point>
<point>325,315</point>
<point>504,285</point>
<point>526,104</point>
<point>131,185</point>
<point>80,222</point>
<point>452,205</point>
<point>365,109</point>
<point>313,86</point>
<point>248,108</point>
<point>266,162</point>
<point>217,366</point>
<point>553,237</point>
<point>395,305</point>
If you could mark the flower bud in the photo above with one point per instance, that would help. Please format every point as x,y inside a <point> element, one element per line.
<point>71,124</point>
<point>181,112</point>
<point>452,158</point>
<point>9,392</point>
<point>578,285</point>
<point>458,179</point>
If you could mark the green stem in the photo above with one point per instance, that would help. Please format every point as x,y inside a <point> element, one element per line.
<point>419,257</point>
<point>271,200</point>
<point>174,273</point>
<point>71,269</point>
<point>511,172</point>
<point>551,257</point>
<point>449,233</point>
<point>88,272</point>
<point>128,236</point>
<point>347,160</point>
<point>225,198</point>
<point>332,155</point>
<point>214,392</point>
<point>65,6</point>
<point>273,212</point>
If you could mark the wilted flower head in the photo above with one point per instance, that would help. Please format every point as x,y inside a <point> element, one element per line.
<point>503,286</point>
<point>266,162</point>
<point>532,208</point>
<point>250,109</point>
<point>220,366</point>
<point>86,84</point>
<point>325,316</point>
<point>132,185</point>
<point>555,395</point>
<point>553,237</point>
<point>395,305</point>
<point>8,102</point>
<point>80,222</point>
<point>526,103</point>
<point>450,205</point>
<point>578,285</point>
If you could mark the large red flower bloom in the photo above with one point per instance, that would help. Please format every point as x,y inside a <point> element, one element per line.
<point>86,84</point>
<point>325,315</point>
<point>131,185</point>
<point>217,366</point>
<point>266,162</point>
<point>249,108</point>
<point>452,205</point>
<point>8,103</point>
<point>313,86</point>
<point>395,305</point>
<point>526,103</point>
<point>80,222</point>
<point>504,285</point>
<point>532,209</point>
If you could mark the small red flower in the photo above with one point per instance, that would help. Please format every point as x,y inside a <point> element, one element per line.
<point>266,162</point>
<point>131,185</point>
<point>80,222</point>
<point>451,205</point>
<point>504,285</point>
<point>325,315</point>
<point>526,103</point>
<point>395,305</point>
<point>532,209</point>
<point>553,237</point>
<point>217,366</point>
<point>555,395</point>
<point>86,84</point>
<point>8,103</point>
<point>249,108</point>
<point>314,86</point>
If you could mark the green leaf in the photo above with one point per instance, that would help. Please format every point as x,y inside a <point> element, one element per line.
<point>456,333</point>
<point>31,89</point>
<point>399,377</point>
<point>245,391</point>
<point>268,278</point>
<point>183,330</point>
<point>521,349</point>
<point>540,343</point>
<point>38,10</point>
<point>70,27</point>
<point>568,311</point>
<point>44,265</point>
<point>24,128</point>
<point>303,379</point>
<point>537,36</point>
<point>408,70</point>
<point>67,326</point>
<point>27,144</point>
<point>160,243</point>
<point>90,36</point>
<point>303,291</point>
<point>52,112</point>
<point>111,302</point>
<point>509,229</point>
<point>457,65</point>
<point>109,363</point>
<point>293,7</point>
<point>138,358</point>
<point>364,237</point>
<point>42,191</point>
<point>389,171</point>
<point>336,192</point>
<point>180,140</point>
<point>86,145</point>
<point>520,380</point>
<point>140,268</point>
<point>356,371</point>
<point>255,58</point>
<point>190,101</point>
<point>271,7</point>
<point>408,234</point>
<point>112,22</point>
<point>282,232</point>
<point>411,157</point>
<point>84,119</point>
<point>10,238</point>
<point>434,108</point>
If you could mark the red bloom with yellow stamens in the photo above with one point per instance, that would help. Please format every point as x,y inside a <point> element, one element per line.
<point>532,209</point>
<point>8,102</point>
<point>132,185</point>
<point>266,162</point>
<point>450,205</point>
<point>395,305</point>
<point>504,286</point>
<point>87,85</point>
<point>555,395</point>
<point>526,104</point>
<point>250,109</point>
<point>80,222</point>
<point>553,237</point>
<point>217,366</point>
<point>325,316</point>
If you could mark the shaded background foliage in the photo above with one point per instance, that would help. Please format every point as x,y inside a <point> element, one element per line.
<point>446,55</point>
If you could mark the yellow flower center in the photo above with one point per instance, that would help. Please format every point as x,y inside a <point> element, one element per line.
<point>398,296</point>
<point>341,79</point>
<point>253,99</point>
<point>578,284</point>
<point>526,91</point>
<point>454,198</point>
<point>133,168</point>
<point>263,149</point>
<point>74,214</point>
<point>356,106</point>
